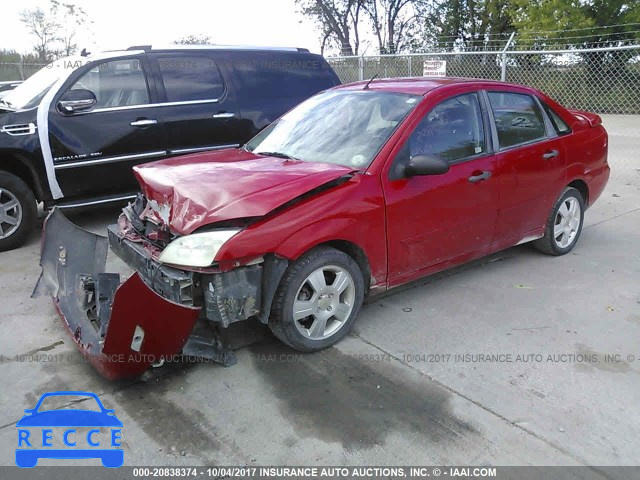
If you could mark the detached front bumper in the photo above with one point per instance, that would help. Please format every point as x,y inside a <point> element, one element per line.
<point>157,313</point>
<point>121,329</point>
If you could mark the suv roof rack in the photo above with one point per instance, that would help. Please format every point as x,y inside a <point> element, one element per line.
<point>145,48</point>
<point>148,48</point>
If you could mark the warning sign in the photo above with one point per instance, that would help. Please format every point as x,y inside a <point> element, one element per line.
<point>434,68</point>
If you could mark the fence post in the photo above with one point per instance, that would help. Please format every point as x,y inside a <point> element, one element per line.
<point>409,62</point>
<point>360,68</point>
<point>503,75</point>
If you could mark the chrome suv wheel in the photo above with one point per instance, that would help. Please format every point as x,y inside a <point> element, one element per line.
<point>17,211</point>
<point>10,213</point>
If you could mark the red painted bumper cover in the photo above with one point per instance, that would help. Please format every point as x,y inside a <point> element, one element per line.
<point>121,329</point>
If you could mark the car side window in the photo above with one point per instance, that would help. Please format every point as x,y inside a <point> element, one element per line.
<point>518,118</point>
<point>292,75</point>
<point>453,130</point>
<point>558,124</point>
<point>118,83</point>
<point>190,78</point>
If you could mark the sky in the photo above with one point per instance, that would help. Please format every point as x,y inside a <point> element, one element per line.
<point>123,23</point>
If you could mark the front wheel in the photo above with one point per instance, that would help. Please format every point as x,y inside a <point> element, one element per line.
<point>17,211</point>
<point>564,224</point>
<point>318,300</point>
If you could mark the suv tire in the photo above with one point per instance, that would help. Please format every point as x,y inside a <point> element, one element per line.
<point>17,211</point>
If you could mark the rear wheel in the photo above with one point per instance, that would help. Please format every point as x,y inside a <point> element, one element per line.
<point>17,211</point>
<point>318,300</point>
<point>564,224</point>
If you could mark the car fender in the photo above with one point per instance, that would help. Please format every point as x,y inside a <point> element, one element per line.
<point>592,166</point>
<point>22,165</point>
<point>321,219</point>
<point>335,230</point>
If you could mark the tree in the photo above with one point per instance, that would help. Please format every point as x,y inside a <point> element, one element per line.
<point>45,29</point>
<point>394,23</point>
<point>193,40</point>
<point>56,29</point>
<point>466,24</point>
<point>581,24</point>
<point>71,19</point>
<point>338,21</point>
<point>577,23</point>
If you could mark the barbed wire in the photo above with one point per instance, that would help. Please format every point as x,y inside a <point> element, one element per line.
<point>548,33</point>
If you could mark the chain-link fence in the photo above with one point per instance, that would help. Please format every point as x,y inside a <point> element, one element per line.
<point>18,71</point>
<point>605,80</point>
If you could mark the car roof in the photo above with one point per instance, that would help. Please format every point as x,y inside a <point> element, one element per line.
<point>415,85</point>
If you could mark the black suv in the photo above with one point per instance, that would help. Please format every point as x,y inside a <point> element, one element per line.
<point>70,134</point>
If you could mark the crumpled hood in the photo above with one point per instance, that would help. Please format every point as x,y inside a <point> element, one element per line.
<point>191,191</point>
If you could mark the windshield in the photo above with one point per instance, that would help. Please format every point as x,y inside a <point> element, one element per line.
<point>29,93</point>
<point>61,402</point>
<point>342,127</point>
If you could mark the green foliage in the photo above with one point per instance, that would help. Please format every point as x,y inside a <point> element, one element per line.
<point>576,23</point>
<point>466,24</point>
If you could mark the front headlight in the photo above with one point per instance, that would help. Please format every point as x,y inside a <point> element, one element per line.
<point>197,249</point>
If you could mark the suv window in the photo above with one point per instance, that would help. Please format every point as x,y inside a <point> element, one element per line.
<point>291,75</point>
<point>118,83</point>
<point>518,118</point>
<point>558,124</point>
<point>453,130</point>
<point>190,78</point>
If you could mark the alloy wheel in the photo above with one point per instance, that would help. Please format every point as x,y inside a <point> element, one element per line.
<point>324,302</point>
<point>567,222</point>
<point>10,213</point>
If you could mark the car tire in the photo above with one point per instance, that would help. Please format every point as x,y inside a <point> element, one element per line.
<point>564,224</point>
<point>327,284</point>
<point>17,204</point>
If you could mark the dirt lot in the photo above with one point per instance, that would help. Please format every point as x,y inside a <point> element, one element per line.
<point>395,391</point>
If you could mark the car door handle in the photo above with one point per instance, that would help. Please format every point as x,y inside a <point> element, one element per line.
<point>481,176</point>
<point>550,154</point>
<point>143,122</point>
<point>224,115</point>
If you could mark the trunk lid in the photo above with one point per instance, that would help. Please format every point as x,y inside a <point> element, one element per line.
<point>592,119</point>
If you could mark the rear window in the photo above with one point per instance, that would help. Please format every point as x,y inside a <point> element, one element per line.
<point>190,78</point>
<point>558,124</point>
<point>294,75</point>
<point>518,118</point>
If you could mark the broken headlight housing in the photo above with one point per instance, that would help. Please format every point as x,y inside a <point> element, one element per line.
<point>197,249</point>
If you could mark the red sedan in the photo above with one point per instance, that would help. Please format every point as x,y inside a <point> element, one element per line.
<point>359,189</point>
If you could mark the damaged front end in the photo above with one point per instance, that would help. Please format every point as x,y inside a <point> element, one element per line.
<point>159,312</point>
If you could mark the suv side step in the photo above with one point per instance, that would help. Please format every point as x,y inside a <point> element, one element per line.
<point>95,201</point>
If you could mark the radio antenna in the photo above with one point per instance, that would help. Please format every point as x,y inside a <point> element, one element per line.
<point>366,87</point>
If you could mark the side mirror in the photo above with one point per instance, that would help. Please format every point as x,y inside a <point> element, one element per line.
<point>426,165</point>
<point>77,101</point>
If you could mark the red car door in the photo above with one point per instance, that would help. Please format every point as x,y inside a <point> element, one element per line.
<point>436,221</point>
<point>531,161</point>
